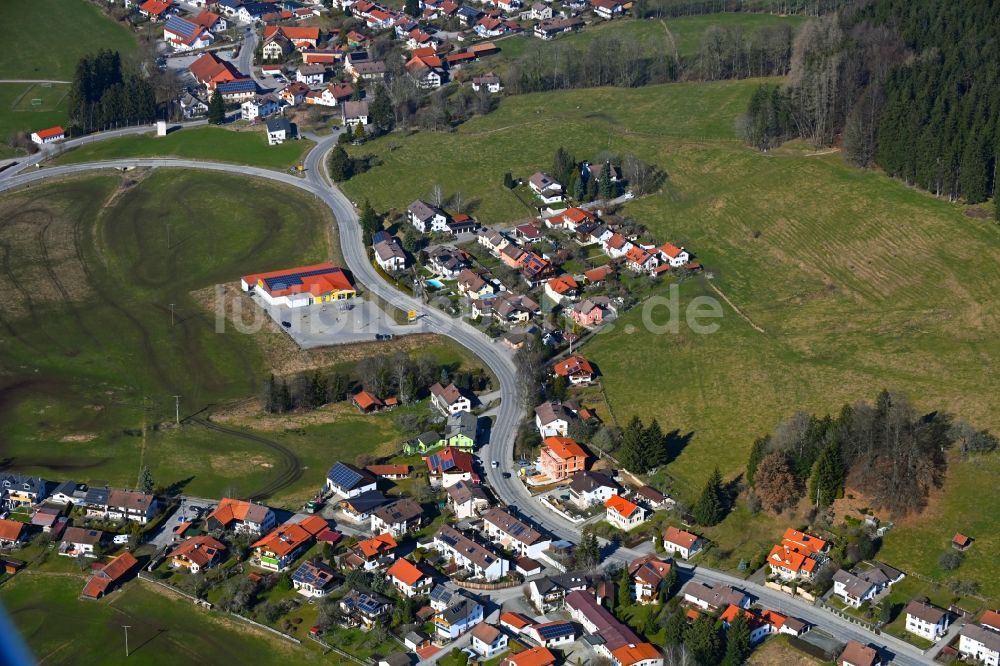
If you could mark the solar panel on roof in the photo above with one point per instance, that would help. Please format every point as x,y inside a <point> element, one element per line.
<point>292,279</point>
<point>181,27</point>
<point>554,630</point>
<point>343,476</point>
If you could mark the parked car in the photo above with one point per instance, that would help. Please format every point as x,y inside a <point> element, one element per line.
<point>120,539</point>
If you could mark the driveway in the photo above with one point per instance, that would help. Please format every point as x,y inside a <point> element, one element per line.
<point>188,509</point>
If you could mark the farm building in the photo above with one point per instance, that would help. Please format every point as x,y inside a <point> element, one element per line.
<point>296,287</point>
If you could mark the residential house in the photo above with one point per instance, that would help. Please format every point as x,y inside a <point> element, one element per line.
<point>462,431</point>
<point>462,224</point>
<point>577,369</point>
<point>157,10</point>
<point>365,608</point>
<point>979,643</point>
<point>425,217</point>
<point>616,246</point>
<point>926,620</point>
<point>620,644</point>
<point>570,219</point>
<point>294,93</point>
<point>467,15</point>
<point>349,481</point>
<point>12,532</point>
<point>507,308</point>
<point>650,575</point>
<point>367,70</point>
<point>538,11</point>
<point>428,72</point>
<point>493,240</point>
<point>311,75</point>
<point>449,400</point>
<point>191,106</point>
<point>449,466</point>
<point>209,70</point>
<point>313,579</point>
<point>856,654</point>
<point>856,589</point>
<point>276,47</point>
<point>241,517</point>
<point>398,518</point>
<point>548,189</point>
<point>18,490</point>
<point>561,457</point>
<point>589,488</point>
<point>131,505</point>
<point>759,630</point>
<point>389,255</point>
<point>283,545</point>
<point>110,576</point>
<point>640,260</point>
<point>679,542</point>
<point>714,598</point>
<point>552,634</point>
<point>564,287</point>
<point>515,623</point>
<point>261,106</point>
<point>185,35</point>
<point>446,262</point>
<point>799,555</point>
<point>237,91</point>
<point>504,529</point>
<point>458,618</point>
<point>536,656</point>
<point>332,95</point>
<point>466,554</point>
<point>673,255</point>
<point>211,22</point>
<point>370,554</point>
<point>358,509</point>
<point>623,514</point>
<point>607,9</point>
<point>591,311</point>
<point>549,593</point>
<point>198,553</point>
<point>552,419</point>
<point>302,37</point>
<point>467,500</point>
<point>550,28</point>
<point>488,82</point>
<point>474,285</point>
<point>488,641</point>
<point>409,578</point>
<point>77,541</point>
<point>278,130</point>
<point>389,471</point>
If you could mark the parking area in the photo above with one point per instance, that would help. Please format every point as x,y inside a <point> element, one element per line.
<point>337,323</point>
<point>188,509</point>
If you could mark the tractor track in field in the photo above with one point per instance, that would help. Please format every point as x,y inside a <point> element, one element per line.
<point>290,469</point>
<point>56,282</point>
<point>28,302</point>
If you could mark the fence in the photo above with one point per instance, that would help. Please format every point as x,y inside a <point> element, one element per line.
<point>338,651</point>
<point>267,628</point>
<point>469,585</point>
<point>190,597</point>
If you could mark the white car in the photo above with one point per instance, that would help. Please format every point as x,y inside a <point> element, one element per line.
<point>495,464</point>
<point>120,539</point>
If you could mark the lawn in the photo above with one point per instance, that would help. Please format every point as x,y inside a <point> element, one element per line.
<point>72,29</point>
<point>680,37</point>
<point>61,629</point>
<point>857,282</point>
<point>201,143</point>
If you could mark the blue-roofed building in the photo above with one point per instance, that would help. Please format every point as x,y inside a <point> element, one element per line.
<point>459,617</point>
<point>185,35</point>
<point>69,492</point>
<point>552,634</point>
<point>252,12</point>
<point>365,608</point>
<point>238,90</point>
<point>349,481</point>
<point>314,579</point>
<point>18,490</point>
<point>229,7</point>
<point>468,15</point>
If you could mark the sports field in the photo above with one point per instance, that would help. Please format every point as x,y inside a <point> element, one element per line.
<point>203,143</point>
<point>27,107</point>
<point>60,629</point>
<point>858,282</point>
<point>46,38</point>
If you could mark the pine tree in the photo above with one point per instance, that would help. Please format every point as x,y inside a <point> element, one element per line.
<point>216,109</point>
<point>711,507</point>
<point>653,446</point>
<point>827,481</point>
<point>624,592</point>
<point>675,628</point>
<point>702,640</point>
<point>380,111</point>
<point>591,189</point>
<point>412,7</point>
<point>630,454</point>
<point>340,164</point>
<point>370,222</point>
<point>605,187</point>
<point>738,645</point>
<point>757,453</point>
<point>146,483</point>
<point>580,188</point>
<point>359,132</point>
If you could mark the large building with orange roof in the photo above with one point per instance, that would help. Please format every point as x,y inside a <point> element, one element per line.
<point>282,546</point>
<point>561,457</point>
<point>576,369</point>
<point>298,287</point>
<point>799,555</point>
<point>241,516</point>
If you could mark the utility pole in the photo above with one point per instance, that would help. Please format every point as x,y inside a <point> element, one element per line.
<point>177,409</point>
<point>126,627</point>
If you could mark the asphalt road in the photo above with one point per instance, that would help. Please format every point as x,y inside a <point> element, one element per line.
<point>509,414</point>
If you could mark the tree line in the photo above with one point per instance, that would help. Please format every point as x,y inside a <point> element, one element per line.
<point>103,94</point>
<point>913,87</point>
<point>886,450</point>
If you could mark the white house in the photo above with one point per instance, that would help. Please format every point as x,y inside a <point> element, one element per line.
<point>679,542</point>
<point>185,35</point>
<point>260,106</point>
<point>926,620</point>
<point>425,217</point>
<point>856,589</point>
<point>489,82</point>
<point>478,560</point>
<point>548,189</point>
<point>624,514</point>
<point>311,75</point>
<point>467,500</point>
<point>552,419</point>
<point>552,634</point>
<point>979,643</point>
<point>349,481</point>
<point>715,598</point>
<point>504,529</point>
<point>78,541</point>
<point>313,580</point>
<point>408,578</point>
<point>389,255</point>
<point>673,255</point>
<point>488,641</point>
<point>589,488</point>
<point>278,131</point>
<point>450,400</point>
<point>458,618</point>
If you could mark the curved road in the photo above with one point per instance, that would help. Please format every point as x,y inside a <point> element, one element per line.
<point>509,415</point>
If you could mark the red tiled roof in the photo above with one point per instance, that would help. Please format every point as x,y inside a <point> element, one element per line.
<point>564,447</point>
<point>680,537</point>
<point>620,505</point>
<point>10,530</point>
<point>366,400</point>
<point>405,572</point>
<point>389,470</point>
<point>50,132</point>
<point>515,620</point>
<point>332,279</point>
<point>382,543</point>
<point>155,7</point>
<point>573,365</point>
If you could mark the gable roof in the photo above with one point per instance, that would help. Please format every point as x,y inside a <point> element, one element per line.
<point>621,506</point>
<point>200,549</point>
<point>926,611</point>
<point>109,574</point>
<point>680,537</point>
<point>232,510</point>
<point>858,654</point>
<point>348,477</point>
<point>10,530</point>
<point>573,365</point>
<point>587,482</point>
<point>286,538</point>
<point>406,572</point>
<point>564,447</point>
<point>383,543</point>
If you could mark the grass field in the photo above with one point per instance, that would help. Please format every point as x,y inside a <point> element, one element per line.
<point>858,282</point>
<point>61,629</point>
<point>72,28</point>
<point>203,143</point>
<point>19,114</point>
<point>680,37</point>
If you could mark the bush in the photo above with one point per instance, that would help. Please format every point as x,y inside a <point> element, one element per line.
<point>950,560</point>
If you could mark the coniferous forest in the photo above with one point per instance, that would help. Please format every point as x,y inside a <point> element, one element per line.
<point>913,87</point>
